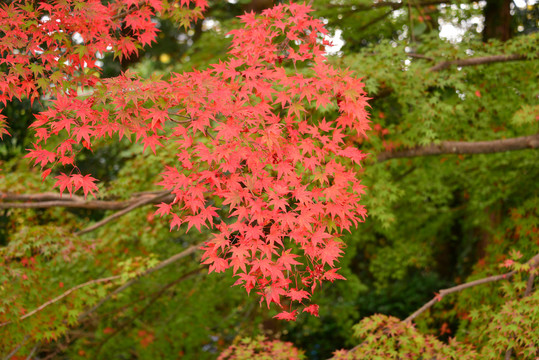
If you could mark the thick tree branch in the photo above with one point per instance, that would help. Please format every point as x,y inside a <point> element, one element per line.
<point>464,147</point>
<point>477,61</point>
<point>146,200</point>
<point>48,200</point>
<point>533,262</point>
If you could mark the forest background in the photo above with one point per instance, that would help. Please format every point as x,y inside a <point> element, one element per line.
<point>451,195</point>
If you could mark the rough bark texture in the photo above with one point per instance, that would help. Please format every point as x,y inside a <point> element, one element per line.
<point>464,147</point>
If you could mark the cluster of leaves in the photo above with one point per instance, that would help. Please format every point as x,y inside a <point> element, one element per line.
<point>263,349</point>
<point>52,47</point>
<point>236,127</point>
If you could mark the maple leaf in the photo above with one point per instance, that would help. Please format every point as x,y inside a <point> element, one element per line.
<point>86,182</point>
<point>312,309</point>
<point>151,141</point>
<point>297,295</point>
<point>332,275</point>
<point>286,259</point>
<point>285,315</point>
<point>41,156</point>
<point>175,222</point>
<point>331,252</point>
<point>164,209</point>
<point>273,294</point>
<point>64,182</point>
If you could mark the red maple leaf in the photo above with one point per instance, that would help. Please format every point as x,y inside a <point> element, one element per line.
<point>312,309</point>
<point>285,315</point>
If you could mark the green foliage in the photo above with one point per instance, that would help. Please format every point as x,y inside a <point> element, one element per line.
<point>261,349</point>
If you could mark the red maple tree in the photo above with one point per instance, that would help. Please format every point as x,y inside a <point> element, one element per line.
<point>257,163</point>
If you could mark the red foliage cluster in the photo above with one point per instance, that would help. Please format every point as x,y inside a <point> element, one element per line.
<point>255,161</point>
<point>51,47</point>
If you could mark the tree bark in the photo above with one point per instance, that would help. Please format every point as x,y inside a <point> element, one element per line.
<point>464,147</point>
<point>497,20</point>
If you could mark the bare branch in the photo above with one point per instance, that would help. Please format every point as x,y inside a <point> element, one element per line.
<point>17,348</point>
<point>381,4</point>
<point>61,296</point>
<point>458,62</point>
<point>533,261</point>
<point>146,200</point>
<point>477,61</point>
<point>155,296</point>
<point>375,20</point>
<point>529,285</point>
<point>464,147</point>
<point>48,200</point>
<point>48,196</point>
<point>190,250</point>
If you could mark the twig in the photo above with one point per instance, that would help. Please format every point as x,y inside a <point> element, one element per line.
<point>17,348</point>
<point>464,147</point>
<point>533,261</point>
<point>34,349</point>
<point>190,250</point>
<point>121,213</point>
<point>60,297</point>
<point>419,56</point>
<point>375,20</point>
<point>153,299</point>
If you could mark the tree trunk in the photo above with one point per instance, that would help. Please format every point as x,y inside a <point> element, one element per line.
<point>258,5</point>
<point>497,20</point>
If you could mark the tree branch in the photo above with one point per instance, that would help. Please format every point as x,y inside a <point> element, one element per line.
<point>464,147</point>
<point>375,20</point>
<point>155,296</point>
<point>48,200</point>
<point>159,266</point>
<point>190,250</point>
<point>392,5</point>
<point>61,296</point>
<point>533,262</point>
<point>477,61</point>
<point>17,348</point>
<point>386,91</point>
<point>146,200</point>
